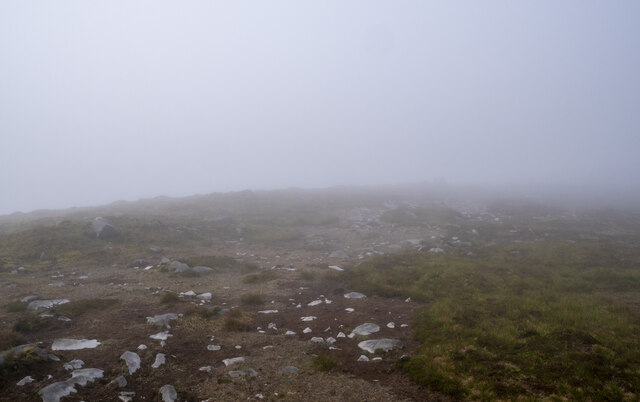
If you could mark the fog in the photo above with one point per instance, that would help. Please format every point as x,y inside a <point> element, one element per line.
<point>109,100</point>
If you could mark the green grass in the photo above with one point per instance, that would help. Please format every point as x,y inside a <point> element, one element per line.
<point>235,321</point>
<point>169,298</point>
<point>15,307</point>
<point>324,362</point>
<point>78,307</point>
<point>262,277</point>
<point>30,324</point>
<point>307,275</point>
<point>550,321</point>
<point>251,299</point>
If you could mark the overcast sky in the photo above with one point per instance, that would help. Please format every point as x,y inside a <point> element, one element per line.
<point>108,100</point>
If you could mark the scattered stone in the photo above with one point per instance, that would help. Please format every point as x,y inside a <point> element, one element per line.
<point>233,360</point>
<point>317,339</point>
<point>354,295</point>
<point>178,266</point>
<point>290,333</point>
<point>73,364</point>
<point>202,269</point>
<point>28,298</point>
<point>349,310</point>
<point>307,330</point>
<point>314,303</point>
<point>391,325</point>
<point>331,340</point>
<point>436,250</point>
<point>25,380</point>
<point>268,311</point>
<point>341,335</point>
<point>162,320</point>
<point>290,370</point>
<point>160,360</point>
<point>126,396</point>
<point>63,318</point>
<point>365,329</point>
<point>407,300</point>
<point>165,261</point>
<point>272,325</point>
<point>120,381</point>
<point>259,396</point>
<point>36,304</point>
<point>74,344</point>
<point>206,368</point>
<point>363,358</point>
<point>188,293</point>
<point>168,393</point>
<point>142,346</point>
<point>104,229</point>
<point>57,390</point>
<point>204,296</point>
<point>214,348</point>
<point>156,249</point>
<point>338,254</point>
<point>239,373</point>
<point>335,268</point>
<point>308,318</point>
<point>132,360</point>
<point>377,359</point>
<point>383,344</point>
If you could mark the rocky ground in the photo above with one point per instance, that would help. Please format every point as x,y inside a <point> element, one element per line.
<point>294,338</point>
<point>221,300</point>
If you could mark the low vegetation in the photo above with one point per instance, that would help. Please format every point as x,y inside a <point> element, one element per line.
<point>324,362</point>
<point>535,320</point>
<point>251,299</point>
<point>78,307</point>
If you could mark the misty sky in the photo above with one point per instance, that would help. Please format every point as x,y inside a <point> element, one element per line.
<point>108,100</point>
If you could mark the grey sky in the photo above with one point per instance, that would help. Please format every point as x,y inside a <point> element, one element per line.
<point>106,100</point>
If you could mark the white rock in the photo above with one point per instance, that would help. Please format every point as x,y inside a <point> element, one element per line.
<point>363,358</point>
<point>290,333</point>
<point>204,296</point>
<point>168,393</point>
<point>160,360</point>
<point>365,329</point>
<point>308,318</point>
<point>233,360</point>
<point>142,347</point>
<point>391,325</point>
<point>214,348</point>
<point>161,336</point>
<point>188,293</point>
<point>25,380</point>
<point>306,330</point>
<point>132,361</point>
<point>317,339</point>
<point>74,344</point>
<point>349,310</point>
<point>314,303</point>
<point>73,364</point>
<point>335,268</point>
<point>379,344</point>
<point>268,311</point>
<point>341,335</point>
<point>354,295</point>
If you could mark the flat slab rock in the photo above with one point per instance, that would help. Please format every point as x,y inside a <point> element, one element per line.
<point>354,295</point>
<point>132,360</point>
<point>74,344</point>
<point>53,392</point>
<point>383,344</point>
<point>240,373</point>
<point>162,320</point>
<point>36,304</point>
<point>168,393</point>
<point>366,329</point>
